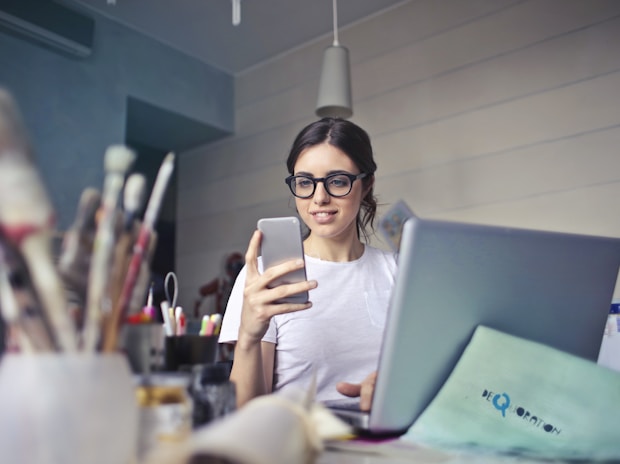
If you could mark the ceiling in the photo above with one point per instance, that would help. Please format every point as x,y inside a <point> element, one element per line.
<point>203,28</point>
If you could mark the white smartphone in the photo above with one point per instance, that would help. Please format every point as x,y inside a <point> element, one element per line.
<point>282,242</point>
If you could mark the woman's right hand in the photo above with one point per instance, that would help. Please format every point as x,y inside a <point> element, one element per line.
<point>259,300</point>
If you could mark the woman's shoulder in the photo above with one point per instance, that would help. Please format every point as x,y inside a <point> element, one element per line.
<point>378,252</point>
<point>377,255</point>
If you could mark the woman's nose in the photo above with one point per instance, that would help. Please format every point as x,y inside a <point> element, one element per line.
<point>320,194</point>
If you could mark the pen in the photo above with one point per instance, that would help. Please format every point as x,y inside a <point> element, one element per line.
<point>180,320</point>
<point>172,318</point>
<point>204,326</point>
<point>168,327</point>
<point>216,319</point>
<point>149,309</point>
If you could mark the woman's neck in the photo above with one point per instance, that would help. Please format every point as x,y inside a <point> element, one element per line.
<point>335,250</point>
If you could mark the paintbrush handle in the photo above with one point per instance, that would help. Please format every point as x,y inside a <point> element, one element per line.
<point>120,264</point>
<point>19,306</point>
<point>159,189</point>
<point>117,161</point>
<point>74,260</point>
<point>120,308</point>
<point>96,302</point>
<point>35,249</point>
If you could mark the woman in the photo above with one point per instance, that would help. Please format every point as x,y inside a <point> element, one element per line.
<point>337,335</point>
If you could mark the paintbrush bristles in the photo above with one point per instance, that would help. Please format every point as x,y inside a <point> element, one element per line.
<point>133,197</point>
<point>12,131</point>
<point>118,159</point>
<point>23,199</point>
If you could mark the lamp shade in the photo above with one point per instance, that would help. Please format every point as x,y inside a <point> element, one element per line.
<point>335,86</point>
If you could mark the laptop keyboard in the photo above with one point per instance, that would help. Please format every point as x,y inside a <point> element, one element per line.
<point>352,404</point>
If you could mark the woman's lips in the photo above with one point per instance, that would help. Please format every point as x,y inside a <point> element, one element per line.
<point>323,217</point>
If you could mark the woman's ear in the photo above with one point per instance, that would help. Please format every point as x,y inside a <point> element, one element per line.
<point>370,183</point>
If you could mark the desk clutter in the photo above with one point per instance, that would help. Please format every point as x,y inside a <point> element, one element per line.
<point>87,363</point>
<point>282,428</point>
<point>497,406</point>
<point>79,302</point>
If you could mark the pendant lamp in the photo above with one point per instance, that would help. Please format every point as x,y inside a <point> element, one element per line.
<point>236,12</point>
<point>334,98</point>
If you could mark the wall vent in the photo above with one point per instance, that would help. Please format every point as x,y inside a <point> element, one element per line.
<point>49,24</point>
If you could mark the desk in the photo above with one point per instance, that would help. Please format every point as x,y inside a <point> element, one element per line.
<point>347,457</point>
<point>337,453</point>
<point>411,455</point>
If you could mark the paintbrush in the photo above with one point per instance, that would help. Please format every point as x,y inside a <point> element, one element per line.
<point>133,200</point>
<point>26,218</point>
<point>19,304</point>
<point>140,251</point>
<point>145,276</point>
<point>117,162</point>
<point>77,246</point>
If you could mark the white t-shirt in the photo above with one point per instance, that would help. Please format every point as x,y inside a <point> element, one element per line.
<point>340,335</point>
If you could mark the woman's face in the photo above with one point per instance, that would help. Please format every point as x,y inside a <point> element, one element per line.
<point>327,216</point>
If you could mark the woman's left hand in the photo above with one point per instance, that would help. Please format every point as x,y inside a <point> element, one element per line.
<point>364,390</point>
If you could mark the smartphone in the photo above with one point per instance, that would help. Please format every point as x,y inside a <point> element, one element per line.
<point>282,242</point>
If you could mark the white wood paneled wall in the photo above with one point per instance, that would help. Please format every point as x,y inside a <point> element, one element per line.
<point>492,111</point>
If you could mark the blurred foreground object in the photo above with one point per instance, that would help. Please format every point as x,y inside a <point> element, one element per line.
<point>26,220</point>
<point>296,430</point>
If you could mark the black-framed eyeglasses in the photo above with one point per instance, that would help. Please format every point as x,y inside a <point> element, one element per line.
<point>337,185</point>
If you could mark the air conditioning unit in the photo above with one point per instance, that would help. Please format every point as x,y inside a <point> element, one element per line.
<point>49,24</point>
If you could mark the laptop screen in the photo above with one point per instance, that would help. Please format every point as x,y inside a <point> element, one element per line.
<point>548,287</point>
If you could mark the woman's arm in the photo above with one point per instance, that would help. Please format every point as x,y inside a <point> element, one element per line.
<point>252,370</point>
<point>253,362</point>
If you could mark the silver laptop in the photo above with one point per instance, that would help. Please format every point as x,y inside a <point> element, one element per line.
<point>552,288</point>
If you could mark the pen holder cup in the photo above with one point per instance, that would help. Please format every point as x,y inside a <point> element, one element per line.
<point>67,408</point>
<point>144,346</point>
<point>189,350</point>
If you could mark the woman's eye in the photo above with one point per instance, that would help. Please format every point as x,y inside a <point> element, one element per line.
<point>304,183</point>
<point>338,182</point>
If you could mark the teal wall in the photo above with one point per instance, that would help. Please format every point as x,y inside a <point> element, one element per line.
<point>75,108</point>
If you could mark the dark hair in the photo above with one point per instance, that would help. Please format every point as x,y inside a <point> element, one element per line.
<point>355,143</point>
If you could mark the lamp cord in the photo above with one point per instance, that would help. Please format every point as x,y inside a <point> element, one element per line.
<point>335,23</point>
